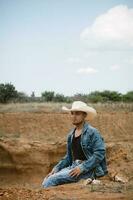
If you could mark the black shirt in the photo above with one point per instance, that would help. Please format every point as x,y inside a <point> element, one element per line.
<point>77,149</point>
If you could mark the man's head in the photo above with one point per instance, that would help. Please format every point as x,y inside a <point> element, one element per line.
<point>79,110</point>
<point>78,117</point>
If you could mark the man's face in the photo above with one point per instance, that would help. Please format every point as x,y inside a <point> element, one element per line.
<point>77,117</point>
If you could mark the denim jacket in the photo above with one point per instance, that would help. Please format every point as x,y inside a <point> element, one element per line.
<point>93,147</point>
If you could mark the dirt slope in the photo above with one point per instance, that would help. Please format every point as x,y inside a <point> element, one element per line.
<point>31,143</point>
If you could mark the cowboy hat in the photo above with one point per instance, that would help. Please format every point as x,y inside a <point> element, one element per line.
<point>81,106</point>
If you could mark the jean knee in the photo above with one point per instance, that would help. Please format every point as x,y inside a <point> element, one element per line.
<point>46,183</point>
<point>50,181</point>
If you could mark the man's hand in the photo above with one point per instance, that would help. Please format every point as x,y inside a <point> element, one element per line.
<point>75,172</point>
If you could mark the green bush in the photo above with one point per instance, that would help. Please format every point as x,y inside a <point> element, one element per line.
<point>7,92</point>
<point>48,95</point>
<point>128,97</point>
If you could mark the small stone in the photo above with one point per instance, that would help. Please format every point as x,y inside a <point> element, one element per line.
<point>96,182</point>
<point>120,179</point>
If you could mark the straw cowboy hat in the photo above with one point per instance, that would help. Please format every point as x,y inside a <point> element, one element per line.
<point>81,106</point>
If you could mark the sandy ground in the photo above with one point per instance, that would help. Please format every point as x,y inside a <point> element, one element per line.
<point>32,142</point>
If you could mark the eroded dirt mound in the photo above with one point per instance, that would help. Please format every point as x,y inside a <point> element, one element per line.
<point>25,156</point>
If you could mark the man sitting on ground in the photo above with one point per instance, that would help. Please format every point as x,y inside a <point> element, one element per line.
<point>85,157</point>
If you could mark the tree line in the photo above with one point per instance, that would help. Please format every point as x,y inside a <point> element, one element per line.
<point>8,93</point>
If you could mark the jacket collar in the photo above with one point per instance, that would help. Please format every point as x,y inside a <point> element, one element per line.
<point>85,126</point>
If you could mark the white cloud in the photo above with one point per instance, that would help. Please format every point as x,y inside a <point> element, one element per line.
<point>114,67</point>
<point>88,70</point>
<point>111,30</point>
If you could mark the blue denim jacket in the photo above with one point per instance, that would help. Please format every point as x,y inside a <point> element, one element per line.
<point>93,147</point>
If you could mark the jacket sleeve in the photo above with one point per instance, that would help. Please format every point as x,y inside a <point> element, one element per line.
<point>65,161</point>
<point>98,153</point>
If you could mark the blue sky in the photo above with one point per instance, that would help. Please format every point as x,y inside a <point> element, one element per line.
<point>65,46</point>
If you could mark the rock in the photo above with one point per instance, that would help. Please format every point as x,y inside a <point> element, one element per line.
<point>87,181</point>
<point>95,182</point>
<point>118,178</point>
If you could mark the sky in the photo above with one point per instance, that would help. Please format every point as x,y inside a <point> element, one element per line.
<point>67,46</point>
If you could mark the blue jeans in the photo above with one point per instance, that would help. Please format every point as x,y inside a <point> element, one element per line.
<point>63,177</point>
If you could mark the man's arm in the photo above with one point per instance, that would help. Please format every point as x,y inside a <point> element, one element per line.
<point>98,153</point>
<point>65,161</point>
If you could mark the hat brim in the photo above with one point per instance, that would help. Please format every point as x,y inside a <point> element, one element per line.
<point>89,110</point>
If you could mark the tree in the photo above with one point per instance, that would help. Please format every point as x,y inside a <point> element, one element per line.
<point>7,92</point>
<point>22,97</point>
<point>104,96</point>
<point>48,95</point>
<point>59,98</point>
<point>111,95</point>
<point>95,97</point>
<point>80,97</point>
<point>128,97</point>
<point>33,94</point>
